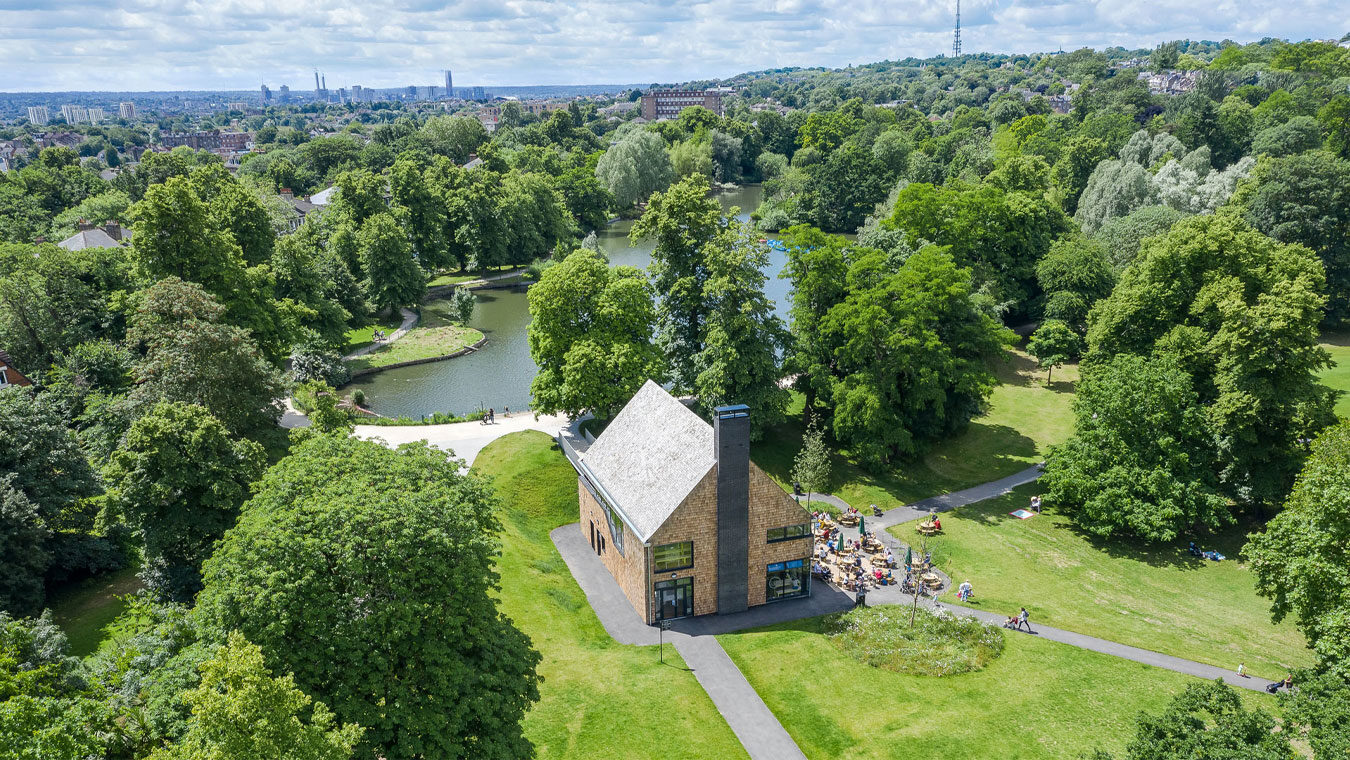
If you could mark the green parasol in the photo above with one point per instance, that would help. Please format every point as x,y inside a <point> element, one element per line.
<point>862,528</point>
<point>909,557</point>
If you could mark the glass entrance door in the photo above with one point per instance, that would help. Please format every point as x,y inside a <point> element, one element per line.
<point>674,599</point>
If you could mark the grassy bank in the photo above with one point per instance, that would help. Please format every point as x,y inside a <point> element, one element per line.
<point>1154,597</point>
<point>1338,376</point>
<point>1025,417</point>
<point>1039,699</point>
<point>455,278</point>
<point>361,337</point>
<point>85,608</point>
<point>434,335</point>
<point>599,699</point>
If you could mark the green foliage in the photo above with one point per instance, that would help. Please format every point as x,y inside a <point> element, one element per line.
<point>178,480</point>
<point>826,130</point>
<point>426,662</point>
<point>241,712</point>
<point>393,277</point>
<point>425,218</point>
<point>1334,118</point>
<point>937,643</point>
<point>1074,275</point>
<point>1298,560</point>
<point>811,466</point>
<point>742,336</point>
<point>635,167</point>
<point>462,302</point>
<point>1122,235</point>
<point>1207,720</point>
<point>1054,343</point>
<point>192,357</point>
<point>535,216</point>
<point>590,334</point>
<point>1138,464</point>
<point>842,190</point>
<point>1297,135</point>
<point>1320,709</point>
<point>1306,199</point>
<point>1238,314</point>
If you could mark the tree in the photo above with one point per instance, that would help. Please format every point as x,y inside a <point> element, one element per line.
<point>590,334</point>
<point>1123,235</point>
<point>1074,275</point>
<point>587,200</point>
<point>456,137</point>
<point>462,303</point>
<point>178,479</point>
<point>683,220</point>
<point>1115,189</point>
<point>241,712</point>
<point>811,467</point>
<point>1054,343</point>
<point>1297,135</point>
<point>393,277</point>
<point>190,356</point>
<point>726,157</point>
<point>1299,560</point>
<point>1320,710</point>
<point>635,167</point>
<point>1239,314</point>
<point>817,267</point>
<point>1071,172</point>
<point>844,189</point>
<point>1334,118</point>
<point>415,649</point>
<point>1306,199</point>
<point>1207,720</point>
<point>360,195</point>
<point>425,214</point>
<point>475,229</point>
<point>1138,463</point>
<point>1165,56</point>
<point>742,336</point>
<point>535,215</point>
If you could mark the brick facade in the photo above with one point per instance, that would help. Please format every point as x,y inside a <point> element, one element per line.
<point>696,520</point>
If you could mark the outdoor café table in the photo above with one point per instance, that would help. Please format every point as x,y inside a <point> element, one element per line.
<point>931,579</point>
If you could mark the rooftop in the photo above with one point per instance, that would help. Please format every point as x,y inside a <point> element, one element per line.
<point>650,457</point>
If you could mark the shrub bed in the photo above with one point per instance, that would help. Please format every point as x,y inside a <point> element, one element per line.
<point>937,644</point>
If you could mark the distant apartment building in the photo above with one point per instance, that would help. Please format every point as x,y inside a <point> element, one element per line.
<point>234,141</point>
<point>478,93</point>
<point>75,114</point>
<point>266,94</point>
<point>532,107</point>
<point>1170,82</point>
<point>38,115</point>
<point>126,111</point>
<point>238,106</point>
<point>667,104</point>
<point>449,84</point>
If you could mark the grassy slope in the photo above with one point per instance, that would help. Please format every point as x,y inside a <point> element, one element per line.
<point>1158,598</point>
<point>434,335</point>
<point>361,337</point>
<point>84,609</point>
<point>1039,700</point>
<point>599,699</point>
<point>1025,418</point>
<point>1338,377</point>
<point>454,278</point>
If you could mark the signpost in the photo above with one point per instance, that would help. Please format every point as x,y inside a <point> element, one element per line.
<point>661,641</point>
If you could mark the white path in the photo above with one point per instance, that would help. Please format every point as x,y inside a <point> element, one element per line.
<point>465,439</point>
<point>409,319</point>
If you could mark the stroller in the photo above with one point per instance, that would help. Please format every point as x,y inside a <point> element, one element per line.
<point>1011,623</point>
<point>876,511</point>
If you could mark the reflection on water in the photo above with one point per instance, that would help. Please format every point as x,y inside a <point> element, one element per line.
<point>498,375</point>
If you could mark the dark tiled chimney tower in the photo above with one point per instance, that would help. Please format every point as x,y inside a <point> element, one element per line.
<point>731,447</point>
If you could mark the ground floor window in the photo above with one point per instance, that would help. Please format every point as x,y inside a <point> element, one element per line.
<point>788,579</point>
<point>674,599</point>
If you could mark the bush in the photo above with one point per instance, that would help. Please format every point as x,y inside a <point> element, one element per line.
<point>436,418</point>
<point>937,644</point>
<point>312,363</point>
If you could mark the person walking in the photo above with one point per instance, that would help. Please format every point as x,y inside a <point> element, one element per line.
<point>1023,619</point>
<point>492,416</point>
<point>1242,670</point>
<point>964,591</point>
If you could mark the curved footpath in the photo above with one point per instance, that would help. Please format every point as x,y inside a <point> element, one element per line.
<point>463,439</point>
<point>409,319</point>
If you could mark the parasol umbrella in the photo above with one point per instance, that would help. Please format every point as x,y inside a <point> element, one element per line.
<point>862,528</point>
<point>909,557</point>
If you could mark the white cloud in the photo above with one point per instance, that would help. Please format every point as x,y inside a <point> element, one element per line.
<point>219,44</point>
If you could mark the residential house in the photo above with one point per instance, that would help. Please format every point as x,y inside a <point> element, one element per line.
<point>301,206</point>
<point>110,235</point>
<point>682,518</point>
<point>9,375</point>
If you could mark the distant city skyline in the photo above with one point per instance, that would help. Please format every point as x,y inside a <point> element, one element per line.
<point>55,45</point>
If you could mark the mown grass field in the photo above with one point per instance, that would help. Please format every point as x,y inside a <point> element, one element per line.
<point>1156,597</point>
<point>454,278</point>
<point>84,609</point>
<point>1025,417</point>
<point>435,334</point>
<point>1039,699</point>
<point>1338,376</point>
<point>599,699</point>
<point>361,337</point>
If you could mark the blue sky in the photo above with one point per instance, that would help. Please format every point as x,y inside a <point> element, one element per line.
<point>238,44</point>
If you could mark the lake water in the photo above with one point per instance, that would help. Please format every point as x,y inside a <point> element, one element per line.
<point>498,375</point>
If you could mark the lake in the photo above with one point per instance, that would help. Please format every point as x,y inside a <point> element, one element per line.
<point>498,375</point>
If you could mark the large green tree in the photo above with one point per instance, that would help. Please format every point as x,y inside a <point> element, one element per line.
<point>178,479</point>
<point>635,168</point>
<point>424,215</point>
<point>1207,721</point>
<point>1239,314</point>
<point>590,334</point>
<point>1302,559</point>
<point>1074,275</point>
<point>368,573</point>
<point>393,277</point>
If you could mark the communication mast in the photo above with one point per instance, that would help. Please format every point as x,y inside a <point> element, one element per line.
<point>956,35</point>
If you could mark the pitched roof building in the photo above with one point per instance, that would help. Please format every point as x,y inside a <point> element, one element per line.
<point>682,518</point>
<point>8,374</point>
<point>110,235</point>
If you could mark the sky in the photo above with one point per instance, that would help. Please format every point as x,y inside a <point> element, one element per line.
<point>53,45</point>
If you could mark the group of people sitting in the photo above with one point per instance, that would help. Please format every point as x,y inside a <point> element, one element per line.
<point>1195,551</point>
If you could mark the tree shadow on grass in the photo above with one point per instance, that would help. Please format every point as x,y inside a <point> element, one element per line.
<point>1176,554</point>
<point>1335,339</point>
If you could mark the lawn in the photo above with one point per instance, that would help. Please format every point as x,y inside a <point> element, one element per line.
<point>361,337</point>
<point>84,609</point>
<point>1338,376</point>
<point>598,699</point>
<point>434,335</point>
<point>1039,700</point>
<point>1025,417</point>
<point>1156,597</point>
<point>454,278</point>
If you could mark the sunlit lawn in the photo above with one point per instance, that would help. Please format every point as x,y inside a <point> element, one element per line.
<point>1040,699</point>
<point>599,699</point>
<point>361,337</point>
<point>435,334</point>
<point>1025,417</point>
<point>84,609</point>
<point>454,278</point>
<point>1338,376</point>
<point>1149,596</point>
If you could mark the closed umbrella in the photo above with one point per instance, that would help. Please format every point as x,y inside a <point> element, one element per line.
<point>909,557</point>
<point>862,528</point>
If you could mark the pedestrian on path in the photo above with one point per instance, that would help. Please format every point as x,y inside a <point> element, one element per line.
<point>492,416</point>
<point>964,591</point>
<point>1023,619</point>
<point>1242,670</point>
<point>1036,504</point>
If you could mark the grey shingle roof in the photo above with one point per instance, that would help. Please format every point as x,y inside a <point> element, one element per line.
<point>650,457</point>
<point>92,238</point>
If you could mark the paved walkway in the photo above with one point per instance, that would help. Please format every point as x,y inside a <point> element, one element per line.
<point>409,319</point>
<point>949,501</point>
<point>463,439</point>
